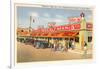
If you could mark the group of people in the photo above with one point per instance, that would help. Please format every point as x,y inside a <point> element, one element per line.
<point>57,46</point>
<point>69,44</point>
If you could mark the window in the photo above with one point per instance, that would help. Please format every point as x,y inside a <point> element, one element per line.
<point>89,38</point>
<point>50,38</point>
<point>60,38</point>
<point>71,38</point>
<point>66,38</point>
<point>22,30</point>
<point>76,39</point>
<point>57,38</point>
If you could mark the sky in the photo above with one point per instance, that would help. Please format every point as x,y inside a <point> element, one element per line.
<point>42,16</point>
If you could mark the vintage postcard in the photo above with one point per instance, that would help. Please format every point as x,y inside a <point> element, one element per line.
<point>52,33</point>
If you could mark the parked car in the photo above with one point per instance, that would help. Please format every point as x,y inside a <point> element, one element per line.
<point>21,40</point>
<point>29,41</point>
<point>41,44</point>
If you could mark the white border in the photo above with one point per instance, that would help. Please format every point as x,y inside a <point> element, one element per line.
<point>34,64</point>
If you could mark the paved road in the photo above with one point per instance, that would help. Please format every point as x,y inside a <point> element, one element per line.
<point>27,53</point>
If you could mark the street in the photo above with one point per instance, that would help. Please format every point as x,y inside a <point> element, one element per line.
<point>27,53</point>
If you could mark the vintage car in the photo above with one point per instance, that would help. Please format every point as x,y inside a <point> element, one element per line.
<point>41,44</point>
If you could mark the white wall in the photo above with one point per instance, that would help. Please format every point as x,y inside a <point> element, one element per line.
<point>5,37</point>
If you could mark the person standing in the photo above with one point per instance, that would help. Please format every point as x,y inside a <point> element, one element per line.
<point>70,43</point>
<point>55,45</point>
<point>73,45</point>
<point>66,45</point>
<point>85,49</point>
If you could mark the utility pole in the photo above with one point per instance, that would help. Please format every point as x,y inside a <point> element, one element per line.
<point>30,26</point>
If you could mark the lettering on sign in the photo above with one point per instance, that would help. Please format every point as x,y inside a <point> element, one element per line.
<point>89,25</point>
<point>74,19</point>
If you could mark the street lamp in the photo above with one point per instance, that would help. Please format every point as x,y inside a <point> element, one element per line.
<point>30,24</point>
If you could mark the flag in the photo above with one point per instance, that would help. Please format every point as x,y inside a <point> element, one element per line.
<point>51,24</point>
<point>31,19</point>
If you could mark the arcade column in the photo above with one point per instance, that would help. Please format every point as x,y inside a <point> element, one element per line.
<point>52,40</point>
<point>83,34</point>
<point>63,42</point>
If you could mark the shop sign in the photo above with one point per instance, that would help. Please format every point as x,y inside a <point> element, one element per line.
<point>66,27</point>
<point>74,19</point>
<point>89,25</point>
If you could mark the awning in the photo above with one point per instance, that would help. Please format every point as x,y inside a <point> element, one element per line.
<point>60,34</point>
<point>63,34</point>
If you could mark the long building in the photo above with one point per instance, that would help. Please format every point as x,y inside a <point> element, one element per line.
<point>79,32</point>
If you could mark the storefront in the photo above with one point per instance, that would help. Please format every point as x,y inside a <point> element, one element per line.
<point>79,32</point>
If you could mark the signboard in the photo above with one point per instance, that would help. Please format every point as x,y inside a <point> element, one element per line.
<point>89,25</point>
<point>51,24</point>
<point>74,19</point>
<point>65,27</point>
<point>69,27</point>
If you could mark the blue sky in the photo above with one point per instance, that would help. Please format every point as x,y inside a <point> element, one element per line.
<point>44,15</point>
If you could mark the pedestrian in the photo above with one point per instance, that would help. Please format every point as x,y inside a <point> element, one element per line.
<point>51,46</point>
<point>60,46</point>
<point>54,46</point>
<point>73,45</point>
<point>66,46</point>
<point>70,43</point>
<point>85,49</point>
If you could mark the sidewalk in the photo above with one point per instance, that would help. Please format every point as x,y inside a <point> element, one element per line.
<point>79,51</point>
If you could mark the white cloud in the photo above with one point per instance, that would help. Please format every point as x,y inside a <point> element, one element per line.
<point>58,20</point>
<point>46,15</point>
<point>34,14</point>
<point>59,16</point>
<point>46,19</point>
<point>89,18</point>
